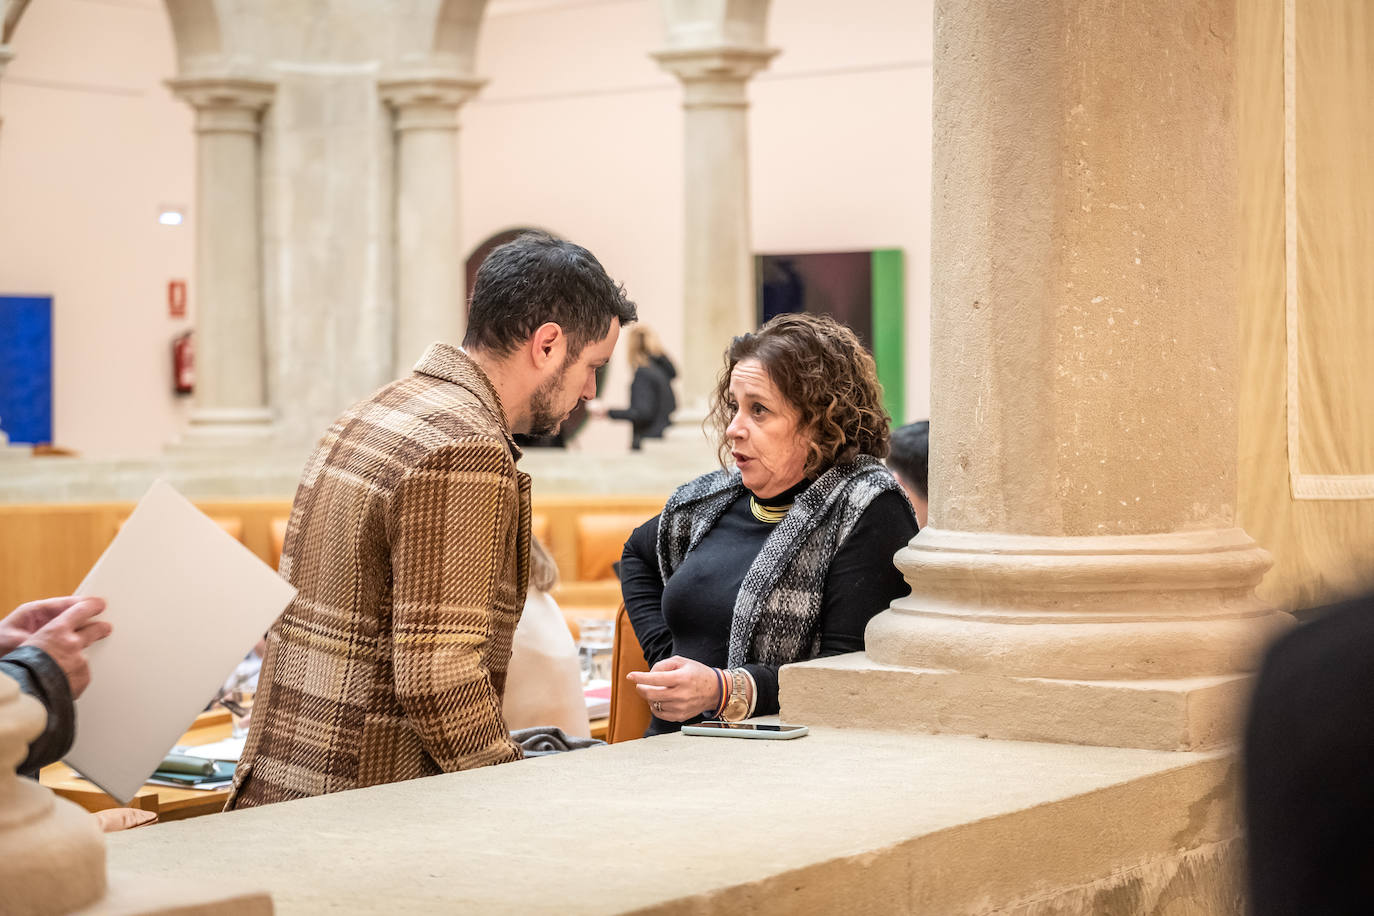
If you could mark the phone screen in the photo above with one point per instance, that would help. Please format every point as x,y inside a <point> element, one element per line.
<point>749,726</point>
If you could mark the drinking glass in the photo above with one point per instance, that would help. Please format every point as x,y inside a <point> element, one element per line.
<point>595,648</point>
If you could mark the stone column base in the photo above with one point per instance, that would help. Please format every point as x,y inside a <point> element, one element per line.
<point>220,427</point>
<point>853,691</point>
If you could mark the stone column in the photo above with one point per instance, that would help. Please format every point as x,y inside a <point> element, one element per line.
<point>1082,578</point>
<point>718,267</point>
<point>231,405</point>
<point>430,286</point>
<point>6,55</point>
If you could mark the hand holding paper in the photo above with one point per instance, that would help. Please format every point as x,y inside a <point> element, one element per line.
<point>186,601</point>
<point>61,627</point>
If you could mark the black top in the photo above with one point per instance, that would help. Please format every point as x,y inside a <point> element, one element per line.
<point>651,400</point>
<point>691,616</point>
<point>1309,760</point>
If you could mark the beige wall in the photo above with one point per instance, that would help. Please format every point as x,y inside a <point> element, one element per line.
<point>578,131</point>
<point>585,132</point>
<point>92,144</point>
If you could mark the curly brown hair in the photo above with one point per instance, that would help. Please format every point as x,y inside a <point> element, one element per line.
<point>823,371</point>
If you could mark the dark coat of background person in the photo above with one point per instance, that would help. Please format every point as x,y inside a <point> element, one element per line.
<point>651,400</point>
<point>1309,768</point>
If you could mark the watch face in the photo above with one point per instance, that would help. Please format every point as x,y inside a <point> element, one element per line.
<point>735,709</point>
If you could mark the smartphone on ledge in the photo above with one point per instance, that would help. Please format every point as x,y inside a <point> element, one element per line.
<point>745,730</point>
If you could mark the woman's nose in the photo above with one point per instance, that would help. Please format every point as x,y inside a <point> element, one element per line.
<point>736,429</point>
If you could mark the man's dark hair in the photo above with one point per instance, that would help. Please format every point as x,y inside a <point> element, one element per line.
<point>910,455</point>
<point>538,278</point>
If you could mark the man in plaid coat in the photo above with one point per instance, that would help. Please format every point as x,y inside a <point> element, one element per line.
<point>409,542</point>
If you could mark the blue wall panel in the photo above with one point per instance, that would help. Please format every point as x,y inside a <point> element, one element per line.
<point>26,368</point>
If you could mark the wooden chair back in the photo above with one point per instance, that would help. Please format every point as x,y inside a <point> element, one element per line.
<point>278,540</point>
<point>629,716</point>
<point>601,539</point>
<point>541,530</point>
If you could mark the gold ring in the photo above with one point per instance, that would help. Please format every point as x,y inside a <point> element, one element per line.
<point>658,706</point>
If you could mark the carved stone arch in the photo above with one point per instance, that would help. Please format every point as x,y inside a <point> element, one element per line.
<point>196,31</point>
<point>455,34</point>
<point>10,11</point>
<point>715,23</point>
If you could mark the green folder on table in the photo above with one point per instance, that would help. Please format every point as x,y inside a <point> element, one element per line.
<point>193,771</point>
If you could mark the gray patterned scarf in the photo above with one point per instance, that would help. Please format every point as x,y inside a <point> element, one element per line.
<point>779,604</point>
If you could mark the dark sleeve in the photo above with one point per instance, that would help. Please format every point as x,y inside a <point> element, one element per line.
<point>642,588</point>
<point>41,678</point>
<point>642,407</point>
<point>862,582</point>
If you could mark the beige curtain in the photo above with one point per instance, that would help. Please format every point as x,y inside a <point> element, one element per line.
<point>1306,128</point>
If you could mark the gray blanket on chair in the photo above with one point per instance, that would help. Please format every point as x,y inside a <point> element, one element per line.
<point>543,740</point>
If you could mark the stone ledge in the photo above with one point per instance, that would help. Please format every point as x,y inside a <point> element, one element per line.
<point>274,473</point>
<point>130,896</point>
<point>853,691</point>
<point>839,821</point>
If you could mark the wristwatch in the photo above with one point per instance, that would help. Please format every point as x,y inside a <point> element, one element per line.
<point>737,707</point>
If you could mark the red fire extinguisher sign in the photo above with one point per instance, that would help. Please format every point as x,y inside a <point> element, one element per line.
<point>176,298</point>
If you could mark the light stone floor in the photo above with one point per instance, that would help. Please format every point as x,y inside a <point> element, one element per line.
<point>847,820</point>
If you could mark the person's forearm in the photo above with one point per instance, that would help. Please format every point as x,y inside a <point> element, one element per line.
<point>475,736</point>
<point>40,677</point>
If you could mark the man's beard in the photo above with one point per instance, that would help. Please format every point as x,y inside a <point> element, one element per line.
<point>543,420</point>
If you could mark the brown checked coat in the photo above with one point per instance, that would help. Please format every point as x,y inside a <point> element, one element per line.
<point>409,544</point>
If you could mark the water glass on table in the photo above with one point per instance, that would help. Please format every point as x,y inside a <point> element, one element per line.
<point>239,702</point>
<point>595,648</point>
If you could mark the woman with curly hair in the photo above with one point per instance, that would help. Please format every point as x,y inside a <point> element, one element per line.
<point>786,556</point>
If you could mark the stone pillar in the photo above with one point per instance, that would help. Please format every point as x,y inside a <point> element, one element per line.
<point>1082,578</point>
<point>6,55</point>
<point>231,405</point>
<point>718,267</point>
<point>430,287</point>
<point>52,854</point>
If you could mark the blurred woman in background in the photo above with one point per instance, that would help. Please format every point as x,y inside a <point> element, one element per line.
<point>651,392</point>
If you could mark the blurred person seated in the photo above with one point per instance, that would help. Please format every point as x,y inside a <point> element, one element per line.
<point>239,688</point>
<point>651,391</point>
<point>909,460</point>
<point>786,556</point>
<point>544,679</point>
<point>1309,768</point>
<point>44,645</point>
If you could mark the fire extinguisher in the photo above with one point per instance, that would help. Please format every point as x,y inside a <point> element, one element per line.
<point>183,364</point>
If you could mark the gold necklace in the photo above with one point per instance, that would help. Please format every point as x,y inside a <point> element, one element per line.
<point>770,514</point>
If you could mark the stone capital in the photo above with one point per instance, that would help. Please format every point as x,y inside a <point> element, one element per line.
<point>715,77</point>
<point>224,104</point>
<point>428,101</point>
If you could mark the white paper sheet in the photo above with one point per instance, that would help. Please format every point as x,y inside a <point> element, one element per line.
<point>228,749</point>
<point>187,602</point>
